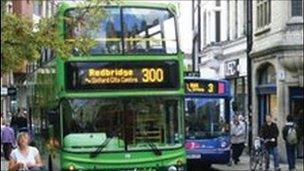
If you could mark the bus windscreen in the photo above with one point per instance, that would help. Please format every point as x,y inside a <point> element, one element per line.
<point>132,30</point>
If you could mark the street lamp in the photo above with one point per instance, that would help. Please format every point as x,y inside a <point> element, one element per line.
<point>249,76</point>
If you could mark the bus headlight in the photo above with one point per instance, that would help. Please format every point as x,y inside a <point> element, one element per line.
<point>179,163</point>
<point>72,167</point>
<point>172,168</point>
<point>224,144</point>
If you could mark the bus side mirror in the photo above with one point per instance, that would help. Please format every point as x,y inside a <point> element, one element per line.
<point>191,106</point>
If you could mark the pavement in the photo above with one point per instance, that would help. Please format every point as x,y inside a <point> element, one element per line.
<point>244,165</point>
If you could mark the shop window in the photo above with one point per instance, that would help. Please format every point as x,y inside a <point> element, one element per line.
<point>296,96</point>
<point>266,90</point>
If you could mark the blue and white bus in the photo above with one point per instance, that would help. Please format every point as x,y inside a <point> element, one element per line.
<point>207,121</point>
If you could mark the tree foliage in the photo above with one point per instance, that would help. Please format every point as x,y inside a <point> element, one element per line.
<point>22,40</point>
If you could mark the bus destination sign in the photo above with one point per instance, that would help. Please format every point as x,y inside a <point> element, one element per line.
<point>122,75</point>
<point>204,87</point>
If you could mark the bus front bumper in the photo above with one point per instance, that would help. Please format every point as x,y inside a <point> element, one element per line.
<point>131,161</point>
<point>209,156</point>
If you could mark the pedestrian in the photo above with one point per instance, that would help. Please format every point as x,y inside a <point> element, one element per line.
<point>2,126</point>
<point>22,122</point>
<point>291,137</point>
<point>238,132</point>
<point>270,131</point>
<point>24,156</point>
<point>243,121</point>
<point>7,140</point>
<point>14,124</point>
<point>2,121</point>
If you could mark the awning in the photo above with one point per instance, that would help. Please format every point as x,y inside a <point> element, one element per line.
<point>266,89</point>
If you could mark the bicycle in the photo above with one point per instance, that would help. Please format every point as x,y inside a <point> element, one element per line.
<point>259,155</point>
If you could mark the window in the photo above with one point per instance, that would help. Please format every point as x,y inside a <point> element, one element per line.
<point>53,8</point>
<point>132,122</point>
<point>236,18</point>
<point>217,26</point>
<point>267,75</point>
<point>38,8</point>
<point>263,13</point>
<point>205,28</point>
<point>245,17</point>
<point>47,9</point>
<point>138,31</point>
<point>218,3</point>
<point>296,7</point>
<point>205,117</point>
<point>148,30</point>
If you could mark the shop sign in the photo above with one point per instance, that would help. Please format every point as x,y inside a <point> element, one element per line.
<point>232,69</point>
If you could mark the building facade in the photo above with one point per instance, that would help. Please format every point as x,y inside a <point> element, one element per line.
<point>10,81</point>
<point>223,47</point>
<point>276,56</point>
<point>18,80</point>
<point>277,65</point>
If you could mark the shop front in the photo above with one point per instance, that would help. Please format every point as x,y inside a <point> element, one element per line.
<point>238,87</point>
<point>296,98</point>
<point>266,92</point>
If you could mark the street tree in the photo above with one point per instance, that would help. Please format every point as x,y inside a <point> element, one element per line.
<point>22,39</point>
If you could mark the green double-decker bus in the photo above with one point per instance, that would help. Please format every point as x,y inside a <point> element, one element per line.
<point>121,107</point>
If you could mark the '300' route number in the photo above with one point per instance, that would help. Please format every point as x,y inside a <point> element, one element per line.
<point>152,75</point>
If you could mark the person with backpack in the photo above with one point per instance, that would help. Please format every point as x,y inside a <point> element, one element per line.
<point>291,137</point>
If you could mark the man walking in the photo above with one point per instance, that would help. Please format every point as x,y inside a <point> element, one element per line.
<point>7,139</point>
<point>270,132</point>
<point>238,132</point>
<point>291,137</point>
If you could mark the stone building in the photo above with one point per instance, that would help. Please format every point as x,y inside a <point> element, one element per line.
<point>223,47</point>
<point>277,57</point>
<point>277,64</point>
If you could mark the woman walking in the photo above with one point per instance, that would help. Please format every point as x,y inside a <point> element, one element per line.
<point>25,157</point>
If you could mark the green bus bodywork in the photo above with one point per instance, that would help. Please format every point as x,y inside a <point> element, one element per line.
<point>75,149</point>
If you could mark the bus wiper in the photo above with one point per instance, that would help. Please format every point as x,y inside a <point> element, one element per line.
<point>154,148</point>
<point>100,148</point>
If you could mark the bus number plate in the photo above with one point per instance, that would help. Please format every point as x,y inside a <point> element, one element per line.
<point>193,156</point>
